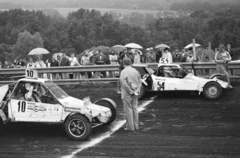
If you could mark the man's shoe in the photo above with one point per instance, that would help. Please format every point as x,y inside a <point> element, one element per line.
<point>126,129</point>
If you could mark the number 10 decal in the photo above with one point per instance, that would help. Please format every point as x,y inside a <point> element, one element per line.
<point>29,73</point>
<point>21,106</point>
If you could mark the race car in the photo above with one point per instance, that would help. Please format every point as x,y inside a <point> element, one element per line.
<point>175,77</point>
<point>53,106</point>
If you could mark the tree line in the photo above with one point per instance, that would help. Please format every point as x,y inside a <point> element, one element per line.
<point>23,30</point>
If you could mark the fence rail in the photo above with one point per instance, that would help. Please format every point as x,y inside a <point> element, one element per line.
<point>201,69</point>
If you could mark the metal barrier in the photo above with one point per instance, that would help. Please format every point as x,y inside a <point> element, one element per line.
<point>201,69</point>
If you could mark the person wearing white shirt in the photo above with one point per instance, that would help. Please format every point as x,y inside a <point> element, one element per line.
<point>31,64</point>
<point>166,57</point>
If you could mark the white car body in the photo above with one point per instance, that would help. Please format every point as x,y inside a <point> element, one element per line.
<point>159,81</point>
<point>189,83</point>
<point>55,107</point>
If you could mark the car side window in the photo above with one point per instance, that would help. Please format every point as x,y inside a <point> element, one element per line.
<point>160,72</point>
<point>19,91</point>
<point>48,97</point>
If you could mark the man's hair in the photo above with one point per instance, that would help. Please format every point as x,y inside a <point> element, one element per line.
<point>221,45</point>
<point>127,61</point>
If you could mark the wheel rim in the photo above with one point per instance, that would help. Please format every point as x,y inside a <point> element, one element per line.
<point>77,127</point>
<point>212,91</point>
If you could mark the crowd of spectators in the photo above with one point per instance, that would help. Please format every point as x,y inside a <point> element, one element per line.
<point>88,58</point>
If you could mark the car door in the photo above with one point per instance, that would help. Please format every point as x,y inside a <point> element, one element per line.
<point>31,111</point>
<point>35,112</point>
<point>162,82</point>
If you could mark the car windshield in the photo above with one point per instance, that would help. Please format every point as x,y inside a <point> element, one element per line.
<point>56,90</point>
<point>184,68</point>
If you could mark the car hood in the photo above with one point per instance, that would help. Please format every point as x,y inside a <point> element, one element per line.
<point>203,81</point>
<point>71,102</point>
<point>3,91</point>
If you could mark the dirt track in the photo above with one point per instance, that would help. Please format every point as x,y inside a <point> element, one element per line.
<point>175,125</point>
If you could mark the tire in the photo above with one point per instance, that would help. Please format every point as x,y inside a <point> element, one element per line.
<point>1,123</point>
<point>109,105</point>
<point>78,127</point>
<point>142,92</point>
<point>212,90</point>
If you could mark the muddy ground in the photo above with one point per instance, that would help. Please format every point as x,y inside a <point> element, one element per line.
<point>177,125</point>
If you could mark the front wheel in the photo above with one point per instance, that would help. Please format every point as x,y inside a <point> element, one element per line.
<point>212,90</point>
<point>105,102</point>
<point>78,127</point>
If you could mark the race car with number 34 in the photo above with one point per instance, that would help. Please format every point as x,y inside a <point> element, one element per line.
<point>53,106</point>
<point>175,77</point>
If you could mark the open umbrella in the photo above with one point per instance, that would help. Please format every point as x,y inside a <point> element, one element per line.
<point>38,51</point>
<point>118,48</point>
<point>162,46</point>
<point>191,45</point>
<point>133,46</point>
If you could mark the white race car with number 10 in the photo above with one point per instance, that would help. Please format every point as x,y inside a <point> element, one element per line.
<point>54,106</point>
<point>174,77</point>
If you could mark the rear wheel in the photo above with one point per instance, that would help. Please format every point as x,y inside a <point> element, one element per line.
<point>212,90</point>
<point>78,127</point>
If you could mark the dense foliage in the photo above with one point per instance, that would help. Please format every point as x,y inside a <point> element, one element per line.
<point>22,30</point>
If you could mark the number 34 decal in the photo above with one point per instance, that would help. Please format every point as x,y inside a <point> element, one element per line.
<point>160,86</point>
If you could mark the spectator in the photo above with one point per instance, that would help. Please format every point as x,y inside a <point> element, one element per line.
<point>65,62</point>
<point>184,55</point>
<point>166,57</point>
<point>31,64</point>
<point>48,64</point>
<point>74,62</point>
<point>150,56</point>
<point>158,55</point>
<point>129,54</point>
<point>40,64</point>
<point>85,61</point>
<point>190,57</point>
<point>113,61</point>
<point>15,63</point>
<point>230,50</point>
<point>6,65</point>
<point>222,58</point>
<point>177,57</point>
<point>1,66</point>
<point>101,59</point>
<point>137,58</point>
<point>20,63</point>
<point>59,60</point>
<point>113,58</point>
<point>54,63</point>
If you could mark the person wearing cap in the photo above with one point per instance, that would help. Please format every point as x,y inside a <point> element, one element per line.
<point>222,58</point>
<point>150,56</point>
<point>130,82</point>
<point>166,57</point>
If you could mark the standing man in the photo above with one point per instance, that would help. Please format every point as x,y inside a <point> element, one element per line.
<point>130,81</point>
<point>150,56</point>
<point>230,50</point>
<point>101,59</point>
<point>222,58</point>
